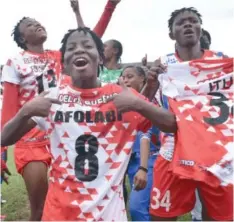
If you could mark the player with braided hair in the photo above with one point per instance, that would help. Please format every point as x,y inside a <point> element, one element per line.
<point>91,137</point>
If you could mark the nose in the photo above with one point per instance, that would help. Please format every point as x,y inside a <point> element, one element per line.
<point>79,50</point>
<point>187,24</point>
<point>125,81</point>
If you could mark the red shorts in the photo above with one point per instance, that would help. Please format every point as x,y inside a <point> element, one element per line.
<point>172,196</point>
<point>27,154</point>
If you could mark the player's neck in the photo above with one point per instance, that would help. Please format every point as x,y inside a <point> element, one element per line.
<point>112,64</point>
<point>85,84</point>
<point>36,48</point>
<point>187,54</point>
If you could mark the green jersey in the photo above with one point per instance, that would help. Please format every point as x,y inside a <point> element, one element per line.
<point>109,76</point>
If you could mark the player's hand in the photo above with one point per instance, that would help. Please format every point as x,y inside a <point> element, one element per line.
<point>144,60</point>
<point>75,5</point>
<point>40,105</point>
<point>154,71</point>
<point>115,2</point>
<point>125,101</point>
<point>4,172</point>
<point>140,180</point>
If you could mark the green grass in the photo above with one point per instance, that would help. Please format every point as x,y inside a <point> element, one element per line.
<point>17,206</point>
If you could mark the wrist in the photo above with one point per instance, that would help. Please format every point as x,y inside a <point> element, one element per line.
<point>143,169</point>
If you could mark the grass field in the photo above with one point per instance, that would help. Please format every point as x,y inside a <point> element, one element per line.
<point>17,206</point>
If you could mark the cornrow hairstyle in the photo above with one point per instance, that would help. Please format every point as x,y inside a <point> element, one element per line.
<point>16,34</point>
<point>179,11</point>
<point>98,42</point>
<point>139,70</point>
<point>206,33</point>
<point>118,45</point>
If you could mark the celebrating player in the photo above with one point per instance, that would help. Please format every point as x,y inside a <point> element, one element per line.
<point>84,126</point>
<point>185,28</point>
<point>26,75</point>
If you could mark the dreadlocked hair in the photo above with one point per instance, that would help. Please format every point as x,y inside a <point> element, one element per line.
<point>16,35</point>
<point>179,11</point>
<point>118,45</point>
<point>96,39</point>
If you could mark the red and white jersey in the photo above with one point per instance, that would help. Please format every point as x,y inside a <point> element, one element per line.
<point>200,94</point>
<point>168,140</point>
<point>34,73</point>
<point>90,145</point>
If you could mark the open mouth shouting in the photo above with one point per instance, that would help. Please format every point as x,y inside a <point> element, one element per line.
<point>189,32</point>
<point>80,63</point>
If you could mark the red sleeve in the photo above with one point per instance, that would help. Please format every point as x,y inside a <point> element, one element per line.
<point>103,22</point>
<point>10,103</point>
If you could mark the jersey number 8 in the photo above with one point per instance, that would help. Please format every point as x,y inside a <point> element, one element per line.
<point>86,163</point>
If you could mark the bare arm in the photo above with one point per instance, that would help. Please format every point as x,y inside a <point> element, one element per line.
<point>76,9</point>
<point>161,118</point>
<point>16,128</point>
<point>144,151</point>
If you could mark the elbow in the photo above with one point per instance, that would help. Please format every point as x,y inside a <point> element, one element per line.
<point>5,140</point>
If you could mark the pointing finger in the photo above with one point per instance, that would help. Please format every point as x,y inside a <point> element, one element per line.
<point>43,94</point>
<point>55,101</point>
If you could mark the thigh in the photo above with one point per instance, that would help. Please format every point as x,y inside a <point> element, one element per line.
<point>218,201</point>
<point>170,195</point>
<point>24,155</point>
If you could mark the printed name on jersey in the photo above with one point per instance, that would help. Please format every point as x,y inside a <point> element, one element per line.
<point>221,84</point>
<point>69,98</point>
<point>88,116</point>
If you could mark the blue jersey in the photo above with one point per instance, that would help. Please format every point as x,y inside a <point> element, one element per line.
<point>152,135</point>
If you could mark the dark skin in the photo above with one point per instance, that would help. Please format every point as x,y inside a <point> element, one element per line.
<point>33,35</point>
<point>132,79</point>
<point>186,31</point>
<point>81,46</point>
<point>75,49</point>
<point>110,56</point>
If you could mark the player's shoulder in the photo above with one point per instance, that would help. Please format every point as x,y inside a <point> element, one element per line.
<point>15,59</point>
<point>54,53</point>
<point>212,54</point>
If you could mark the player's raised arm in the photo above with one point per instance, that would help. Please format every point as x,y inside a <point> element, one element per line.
<point>22,123</point>
<point>76,9</point>
<point>105,18</point>
<point>152,83</point>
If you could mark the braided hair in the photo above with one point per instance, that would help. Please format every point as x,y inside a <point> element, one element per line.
<point>179,11</point>
<point>17,36</point>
